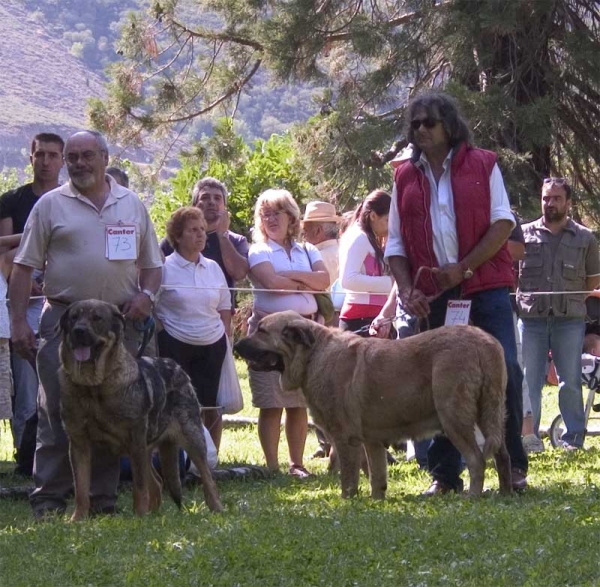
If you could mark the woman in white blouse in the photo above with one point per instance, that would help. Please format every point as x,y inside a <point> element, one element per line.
<point>194,308</point>
<point>278,262</point>
<point>363,272</point>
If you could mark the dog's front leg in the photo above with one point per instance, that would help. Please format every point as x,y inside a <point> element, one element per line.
<point>349,457</point>
<point>377,469</point>
<point>80,455</point>
<point>140,471</point>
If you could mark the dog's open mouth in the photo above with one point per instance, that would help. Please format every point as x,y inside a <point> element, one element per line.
<point>267,362</point>
<point>82,353</point>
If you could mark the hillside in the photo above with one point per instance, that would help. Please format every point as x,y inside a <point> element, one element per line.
<point>42,86</point>
<point>53,55</point>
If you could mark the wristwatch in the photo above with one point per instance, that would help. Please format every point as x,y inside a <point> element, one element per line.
<point>150,295</point>
<point>467,273</point>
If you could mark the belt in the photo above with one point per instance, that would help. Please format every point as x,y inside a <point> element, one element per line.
<point>57,302</point>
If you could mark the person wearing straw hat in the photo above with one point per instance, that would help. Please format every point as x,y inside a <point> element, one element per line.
<point>320,227</point>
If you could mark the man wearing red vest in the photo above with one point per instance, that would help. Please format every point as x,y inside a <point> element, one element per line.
<point>450,214</point>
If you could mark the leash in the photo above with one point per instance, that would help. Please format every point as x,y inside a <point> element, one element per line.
<point>147,327</point>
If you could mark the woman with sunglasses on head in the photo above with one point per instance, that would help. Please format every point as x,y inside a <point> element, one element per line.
<point>363,271</point>
<point>278,262</point>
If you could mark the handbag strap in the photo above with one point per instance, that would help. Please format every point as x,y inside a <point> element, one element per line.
<point>306,251</point>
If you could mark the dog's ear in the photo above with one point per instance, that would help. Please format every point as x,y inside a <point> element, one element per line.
<point>297,333</point>
<point>118,322</point>
<point>64,321</point>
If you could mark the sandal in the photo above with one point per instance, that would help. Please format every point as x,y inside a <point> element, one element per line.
<point>299,472</point>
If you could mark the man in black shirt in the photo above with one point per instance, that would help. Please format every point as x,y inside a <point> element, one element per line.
<point>228,249</point>
<point>15,205</point>
<point>47,160</point>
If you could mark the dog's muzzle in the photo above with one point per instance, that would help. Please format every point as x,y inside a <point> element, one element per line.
<point>259,359</point>
<point>82,341</point>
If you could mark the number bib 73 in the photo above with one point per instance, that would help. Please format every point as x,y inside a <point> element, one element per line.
<point>121,242</point>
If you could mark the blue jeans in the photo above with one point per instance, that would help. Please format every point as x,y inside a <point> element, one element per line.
<point>491,311</point>
<point>564,337</point>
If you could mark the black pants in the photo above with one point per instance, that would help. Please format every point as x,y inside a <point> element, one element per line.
<point>202,363</point>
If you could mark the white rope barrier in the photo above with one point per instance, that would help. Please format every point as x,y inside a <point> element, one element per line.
<point>310,291</point>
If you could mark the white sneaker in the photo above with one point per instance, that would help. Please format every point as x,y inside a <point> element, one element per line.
<point>531,443</point>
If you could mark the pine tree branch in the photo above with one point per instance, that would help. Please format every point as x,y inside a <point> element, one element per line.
<point>233,89</point>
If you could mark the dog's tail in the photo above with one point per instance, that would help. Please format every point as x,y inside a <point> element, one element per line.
<point>492,399</point>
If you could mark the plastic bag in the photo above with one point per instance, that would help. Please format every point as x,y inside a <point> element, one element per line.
<point>229,396</point>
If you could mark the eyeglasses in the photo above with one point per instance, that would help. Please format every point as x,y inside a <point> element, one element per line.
<point>270,215</point>
<point>426,122</point>
<point>87,156</point>
<point>556,181</point>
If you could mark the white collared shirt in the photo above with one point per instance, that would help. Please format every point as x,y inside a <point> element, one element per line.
<point>443,217</point>
<point>191,313</point>
<point>271,252</point>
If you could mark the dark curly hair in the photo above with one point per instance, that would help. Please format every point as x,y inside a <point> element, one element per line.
<point>443,107</point>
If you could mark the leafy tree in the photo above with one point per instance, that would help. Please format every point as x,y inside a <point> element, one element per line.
<point>246,170</point>
<point>524,71</point>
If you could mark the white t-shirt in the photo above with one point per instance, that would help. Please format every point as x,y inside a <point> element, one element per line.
<point>191,314</point>
<point>271,252</point>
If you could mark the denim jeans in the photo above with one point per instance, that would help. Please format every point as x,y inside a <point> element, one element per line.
<point>26,390</point>
<point>564,337</point>
<point>491,311</point>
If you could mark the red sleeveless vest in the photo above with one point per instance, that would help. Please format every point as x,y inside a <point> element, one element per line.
<point>470,178</point>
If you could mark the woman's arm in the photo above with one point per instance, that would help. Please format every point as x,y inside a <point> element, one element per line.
<point>226,319</point>
<point>352,277</point>
<point>315,280</point>
<point>266,276</point>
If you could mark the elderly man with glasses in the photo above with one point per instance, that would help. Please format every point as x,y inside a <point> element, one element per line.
<point>95,240</point>
<point>560,256</point>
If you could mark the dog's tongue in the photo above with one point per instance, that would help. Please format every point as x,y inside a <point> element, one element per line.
<point>82,353</point>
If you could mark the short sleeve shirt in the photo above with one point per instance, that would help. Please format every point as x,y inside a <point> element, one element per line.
<point>191,297</point>
<point>298,260</point>
<point>17,204</point>
<point>67,234</point>
<point>212,250</point>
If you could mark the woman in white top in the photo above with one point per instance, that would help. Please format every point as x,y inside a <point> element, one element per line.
<point>278,262</point>
<point>363,273</point>
<point>194,308</point>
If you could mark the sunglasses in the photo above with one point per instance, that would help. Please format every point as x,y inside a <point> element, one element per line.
<point>556,181</point>
<point>426,122</point>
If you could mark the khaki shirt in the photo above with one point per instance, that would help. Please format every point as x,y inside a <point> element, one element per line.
<point>330,252</point>
<point>562,267</point>
<point>66,234</point>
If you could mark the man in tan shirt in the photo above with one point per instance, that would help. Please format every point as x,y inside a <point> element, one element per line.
<point>320,225</point>
<point>95,240</point>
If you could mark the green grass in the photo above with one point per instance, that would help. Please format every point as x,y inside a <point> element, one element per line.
<point>283,532</point>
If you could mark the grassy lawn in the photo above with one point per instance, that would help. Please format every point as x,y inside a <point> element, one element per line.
<point>283,532</point>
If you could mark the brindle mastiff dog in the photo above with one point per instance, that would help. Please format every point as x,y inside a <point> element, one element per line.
<point>130,405</point>
<point>375,392</point>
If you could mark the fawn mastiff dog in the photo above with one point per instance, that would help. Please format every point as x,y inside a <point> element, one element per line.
<point>130,405</point>
<point>375,392</point>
